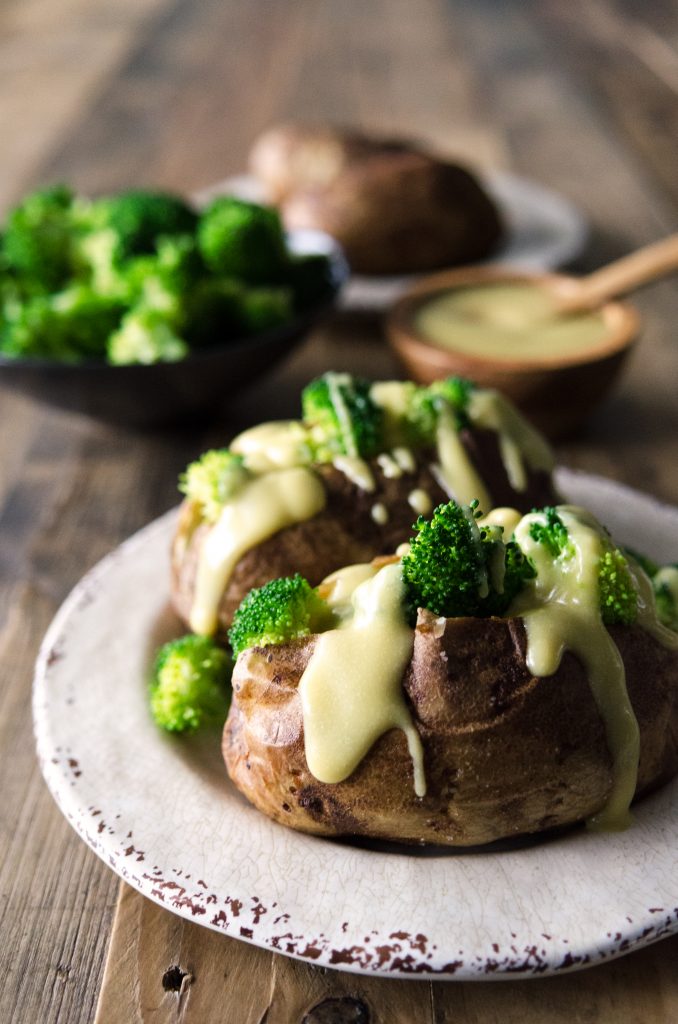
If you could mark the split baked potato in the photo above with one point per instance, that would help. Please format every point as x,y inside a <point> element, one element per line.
<point>505,753</point>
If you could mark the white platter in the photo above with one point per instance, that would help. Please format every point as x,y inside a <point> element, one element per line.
<point>544,231</point>
<point>161,812</point>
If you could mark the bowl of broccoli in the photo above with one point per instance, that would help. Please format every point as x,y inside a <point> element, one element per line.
<point>140,309</point>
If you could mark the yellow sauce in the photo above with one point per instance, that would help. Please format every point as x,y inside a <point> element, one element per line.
<point>389,467</point>
<point>351,691</point>
<point>278,445</point>
<point>379,513</point>
<point>519,443</point>
<point>507,321</point>
<point>356,470</point>
<point>507,518</point>
<point>263,507</point>
<point>420,501</point>
<point>561,611</point>
<point>405,459</point>
<point>455,472</point>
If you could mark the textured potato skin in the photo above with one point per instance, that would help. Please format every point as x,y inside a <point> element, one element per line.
<point>505,753</point>
<point>400,212</point>
<point>344,532</point>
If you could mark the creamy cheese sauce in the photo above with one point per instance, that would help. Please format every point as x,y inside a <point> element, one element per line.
<point>405,459</point>
<point>263,507</point>
<point>379,513</point>
<point>351,691</point>
<point>389,466</point>
<point>519,443</point>
<point>281,444</point>
<point>561,611</point>
<point>420,501</point>
<point>507,321</point>
<point>455,472</point>
<point>356,470</point>
<point>507,518</point>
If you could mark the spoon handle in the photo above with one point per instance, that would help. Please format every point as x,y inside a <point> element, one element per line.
<point>622,276</point>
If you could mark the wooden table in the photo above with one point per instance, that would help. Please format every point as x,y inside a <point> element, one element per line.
<point>578,95</point>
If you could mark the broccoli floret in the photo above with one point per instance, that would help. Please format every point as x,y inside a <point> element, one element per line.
<point>426,405</point>
<point>278,612</point>
<point>665,586</point>
<point>212,480</point>
<point>71,325</point>
<point>190,685</point>
<point>456,567</point>
<point>40,236</point>
<point>342,417</point>
<point>137,218</point>
<point>552,534</point>
<point>212,312</point>
<point>243,240</point>
<point>261,309</point>
<point>146,336</point>
<point>618,596</point>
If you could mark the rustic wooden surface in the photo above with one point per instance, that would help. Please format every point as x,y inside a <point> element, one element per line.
<point>581,96</point>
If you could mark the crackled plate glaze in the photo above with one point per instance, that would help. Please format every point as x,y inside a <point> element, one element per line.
<point>162,813</point>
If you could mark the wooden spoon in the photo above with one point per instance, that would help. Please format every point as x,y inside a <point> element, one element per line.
<point>618,278</point>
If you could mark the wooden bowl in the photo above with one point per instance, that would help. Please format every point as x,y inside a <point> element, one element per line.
<point>557,394</point>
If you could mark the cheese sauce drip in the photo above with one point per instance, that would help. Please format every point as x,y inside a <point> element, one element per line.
<point>263,507</point>
<point>455,472</point>
<point>561,611</point>
<point>351,691</point>
<point>519,443</point>
<point>281,444</point>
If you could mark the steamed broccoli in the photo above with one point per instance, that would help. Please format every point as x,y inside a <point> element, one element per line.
<point>426,404</point>
<point>39,238</point>
<point>261,309</point>
<point>145,336</point>
<point>71,325</point>
<point>214,478</point>
<point>456,567</point>
<point>618,596</point>
<point>665,586</point>
<point>137,218</point>
<point>278,612</point>
<point>190,685</point>
<point>342,417</point>
<point>243,240</point>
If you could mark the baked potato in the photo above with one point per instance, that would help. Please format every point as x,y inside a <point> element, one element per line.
<point>394,207</point>
<point>505,753</point>
<point>345,531</point>
<point>535,686</point>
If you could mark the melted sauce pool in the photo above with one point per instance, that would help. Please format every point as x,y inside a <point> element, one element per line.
<point>508,321</point>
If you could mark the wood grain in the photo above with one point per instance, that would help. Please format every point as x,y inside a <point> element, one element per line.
<point>579,96</point>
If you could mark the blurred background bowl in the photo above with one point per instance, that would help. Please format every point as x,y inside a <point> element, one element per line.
<point>556,394</point>
<point>140,396</point>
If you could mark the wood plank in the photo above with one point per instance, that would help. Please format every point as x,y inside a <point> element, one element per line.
<point>163,969</point>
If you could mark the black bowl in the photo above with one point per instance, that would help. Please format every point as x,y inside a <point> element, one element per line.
<point>169,392</point>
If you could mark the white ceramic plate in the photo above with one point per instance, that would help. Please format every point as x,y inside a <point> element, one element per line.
<point>161,812</point>
<point>544,231</point>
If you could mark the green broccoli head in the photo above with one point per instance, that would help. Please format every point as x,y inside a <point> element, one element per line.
<point>213,311</point>
<point>342,417</point>
<point>426,404</point>
<point>212,480</point>
<point>282,610</point>
<point>665,586</point>
<point>261,309</point>
<point>617,591</point>
<point>190,685</point>
<point>137,218</point>
<point>455,567</point>
<point>146,336</point>
<point>39,238</point>
<point>70,326</point>
<point>243,240</point>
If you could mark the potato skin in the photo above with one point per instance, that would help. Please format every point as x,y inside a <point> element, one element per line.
<point>344,532</point>
<point>399,213</point>
<point>505,753</point>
